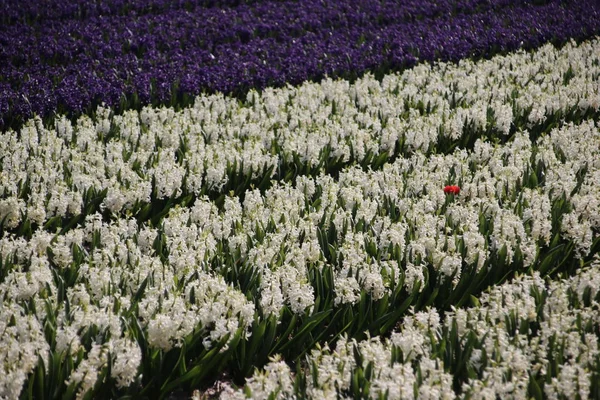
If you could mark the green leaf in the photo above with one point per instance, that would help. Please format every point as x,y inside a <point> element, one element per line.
<point>306,329</point>
<point>140,292</point>
<point>534,389</point>
<point>502,253</point>
<point>206,365</point>
<point>40,374</point>
<point>550,259</point>
<point>390,319</point>
<point>283,338</point>
<point>267,343</point>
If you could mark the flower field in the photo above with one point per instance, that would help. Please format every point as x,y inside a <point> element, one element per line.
<point>281,199</point>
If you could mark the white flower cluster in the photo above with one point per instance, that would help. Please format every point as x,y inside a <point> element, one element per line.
<point>572,159</point>
<point>274,382</point>
<point>22,343</point>
<point>94,313</point>
<point>522,331</point>
<point>528,329</point>
<point>125,357</point>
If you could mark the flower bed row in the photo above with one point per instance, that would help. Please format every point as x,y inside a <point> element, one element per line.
<point>30,13</point>
<point>112,300</point>
<point>127,61</point>
<point>142,163</point>
<point>525,339</point>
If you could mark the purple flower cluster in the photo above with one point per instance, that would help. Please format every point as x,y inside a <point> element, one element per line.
<point>69,57</point>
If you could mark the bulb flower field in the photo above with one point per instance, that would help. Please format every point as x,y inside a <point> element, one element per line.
<point>286,199</point>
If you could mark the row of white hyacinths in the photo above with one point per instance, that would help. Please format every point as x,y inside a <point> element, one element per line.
<point>525,339</point>
<point>222,144</point>
<point>128,266</point>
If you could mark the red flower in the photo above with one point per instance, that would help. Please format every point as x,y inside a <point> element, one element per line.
<point>451,189</point>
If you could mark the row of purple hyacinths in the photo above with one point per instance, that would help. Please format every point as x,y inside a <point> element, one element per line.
<point>70,57</point>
